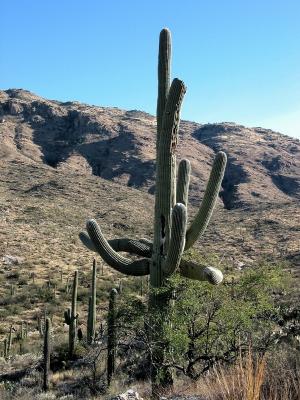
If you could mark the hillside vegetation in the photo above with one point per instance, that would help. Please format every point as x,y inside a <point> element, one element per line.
<point>61,163</point>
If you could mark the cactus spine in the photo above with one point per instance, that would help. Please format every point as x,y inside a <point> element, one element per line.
<point>71,317</point>
<point>91,323</point>
<point>172,236</point>
<point>47,351</point>
<point>111,335</point>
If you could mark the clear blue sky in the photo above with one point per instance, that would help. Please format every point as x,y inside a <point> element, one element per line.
<point>240,59</point>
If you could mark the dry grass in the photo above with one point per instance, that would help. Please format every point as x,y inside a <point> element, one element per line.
<point>250,378</point>
<point>243,381</point>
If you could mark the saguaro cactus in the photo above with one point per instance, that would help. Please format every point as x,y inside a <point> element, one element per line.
<point>10,340</point>
<point>172,237</point>
<point>92,307</point>
<point>23,330</point>
<point>12,290</point>
<point>40,326</point>
<point>111,335</point>
<point>71,317</point>
<point>5,348</point>
<point>47,352</point>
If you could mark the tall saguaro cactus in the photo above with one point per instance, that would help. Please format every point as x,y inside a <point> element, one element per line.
<point>47,351</point>
<point>71,317</point>
<point>111,335</point>
<point>92,307</point>
<point>172,237</point>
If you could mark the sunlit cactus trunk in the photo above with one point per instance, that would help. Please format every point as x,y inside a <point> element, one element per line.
<point>164,256</point>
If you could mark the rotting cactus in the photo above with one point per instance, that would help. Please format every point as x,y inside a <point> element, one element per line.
<point>71,317</point>
<point>162,257</point>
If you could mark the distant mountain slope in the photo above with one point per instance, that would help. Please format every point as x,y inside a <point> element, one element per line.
<point>119,145</point>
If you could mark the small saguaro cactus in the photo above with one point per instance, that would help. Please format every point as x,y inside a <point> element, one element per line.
<point>111,335</point>
<point>22,331</point>
<point>12,290</point>
<point>5,348</point>
<point>71,317</point>
<point>47,351</point>
<point>40,326</point>
<point>67,286</point>
<point>10,340</point>
<point>172,235</point>
<point>91,323</point>
<point>22,336</point>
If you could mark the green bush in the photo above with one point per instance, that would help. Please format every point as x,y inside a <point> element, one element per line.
<point>207,324</point>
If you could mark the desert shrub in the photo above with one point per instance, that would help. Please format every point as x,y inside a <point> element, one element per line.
<point>212,324</point>
<point>207,325</point>
<point>46,295</point>
<point>23,281</point>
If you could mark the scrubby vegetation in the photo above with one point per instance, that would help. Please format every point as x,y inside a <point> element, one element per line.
<point>237,341</point>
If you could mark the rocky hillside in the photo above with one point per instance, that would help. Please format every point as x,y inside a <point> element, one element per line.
<point>118,145</point>
<point>62,163</point>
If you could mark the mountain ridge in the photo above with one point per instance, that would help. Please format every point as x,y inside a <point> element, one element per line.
<point>119,145</point>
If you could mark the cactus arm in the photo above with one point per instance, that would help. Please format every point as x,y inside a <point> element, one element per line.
<point>183,180</point>
<point>164,72</point>
<point>139,247</point>
<point>148,242</point>
<point>111,257</point>
<point>177,241</point>
<point>200,272</point>
<point>164,196</point>
<point>131,246</point>
<point>205,211</point>
<point>86,241</point>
